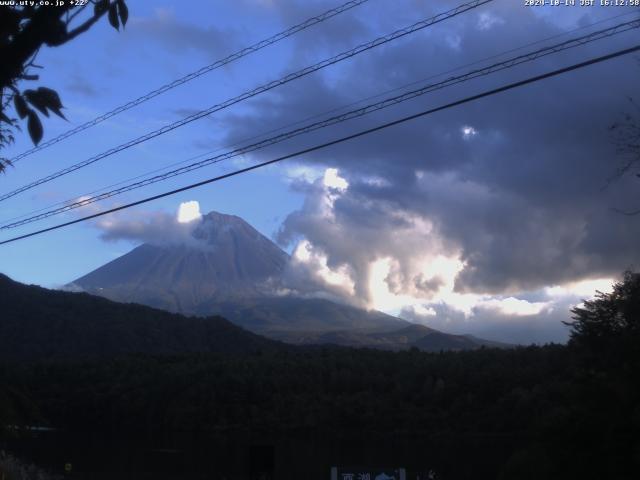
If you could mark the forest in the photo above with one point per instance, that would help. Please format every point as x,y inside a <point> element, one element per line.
<point>568,411</point>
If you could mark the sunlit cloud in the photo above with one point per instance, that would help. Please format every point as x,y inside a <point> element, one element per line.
<point>514,306</point>
<point>582,289</point>
<point>332,179</point>
<point>305,254</point>
<point>189,211</point>
<point>304,173</point>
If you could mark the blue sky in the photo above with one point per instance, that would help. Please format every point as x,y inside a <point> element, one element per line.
<point>488,211</point>
<point>103,69</point>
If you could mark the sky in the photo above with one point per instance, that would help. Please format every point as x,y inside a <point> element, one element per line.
<point>493,218</point>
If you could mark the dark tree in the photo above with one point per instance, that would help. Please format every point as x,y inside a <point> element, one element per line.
<point>23,31</point>
<point>610,318</point>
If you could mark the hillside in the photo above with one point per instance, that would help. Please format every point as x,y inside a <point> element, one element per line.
<point>37,323</point>
<point>267,315</point>
<point>412,336</point>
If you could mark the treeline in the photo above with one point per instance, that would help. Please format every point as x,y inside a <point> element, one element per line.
<point>486,390</point>
<point>567,412</point>
<point>573,411</point>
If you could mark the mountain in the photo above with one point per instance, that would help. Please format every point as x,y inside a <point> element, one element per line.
<point>37,323</point>
<point>228,268</point>
<point>227,258</point>
<point>225,271</point>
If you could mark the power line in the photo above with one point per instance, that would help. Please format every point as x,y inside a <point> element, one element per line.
<point>318,115</point>
<point>340,118</point>
<point>193,75</point>
<point>251,93</point>
<point>385,103</point>
<point>383,126</point>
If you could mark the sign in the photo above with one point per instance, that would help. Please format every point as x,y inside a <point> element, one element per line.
<point>366,473</point>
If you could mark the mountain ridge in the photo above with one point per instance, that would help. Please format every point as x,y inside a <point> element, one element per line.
<point>38,323</point>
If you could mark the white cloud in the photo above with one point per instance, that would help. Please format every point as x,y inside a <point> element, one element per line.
<point>158,228</point>
<point>454,41</point>
<point>514,306</point>
<point>424,311</point>
<point>315,262</point>
<point>468,132</point>
<point>305,173</point>
<point>582,289</point>
<point>333,180</point>
<point>487,20</point>
<point>189,211</point>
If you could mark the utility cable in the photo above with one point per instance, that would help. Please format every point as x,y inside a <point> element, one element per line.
<point>252,93</point>
<point>313,117</point>
<point>506,64</point>
<point>362,133</point>
<point>193,75</point>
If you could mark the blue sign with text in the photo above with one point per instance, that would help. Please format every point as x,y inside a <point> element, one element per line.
<point>367,473</point>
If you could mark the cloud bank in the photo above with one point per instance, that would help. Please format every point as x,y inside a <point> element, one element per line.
<point>156,228</point>
<point>479,209</point>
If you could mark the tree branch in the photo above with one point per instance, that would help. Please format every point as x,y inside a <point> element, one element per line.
<point>75,14</point>
<point>84,26</point>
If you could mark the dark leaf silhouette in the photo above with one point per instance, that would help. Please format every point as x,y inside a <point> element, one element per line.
<point>113,17</point>
<point>123,11</point>
<point>25,30</point>
<point>21,106</point>
<point>51,96</point>
<point>51,99</point>
<point>35,127</point>
<point>37,101</point>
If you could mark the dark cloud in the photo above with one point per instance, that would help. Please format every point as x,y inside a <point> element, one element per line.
<point>79,84</point>
<point>521,199</point>
<point>340,31</point>
<point>180,37</point>
<point>427,285</point>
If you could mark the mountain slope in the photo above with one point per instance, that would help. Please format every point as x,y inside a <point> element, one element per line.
<point>226,256</point>
<point>413,336</point>
<point>37,323</point>
<point>270,314</point>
